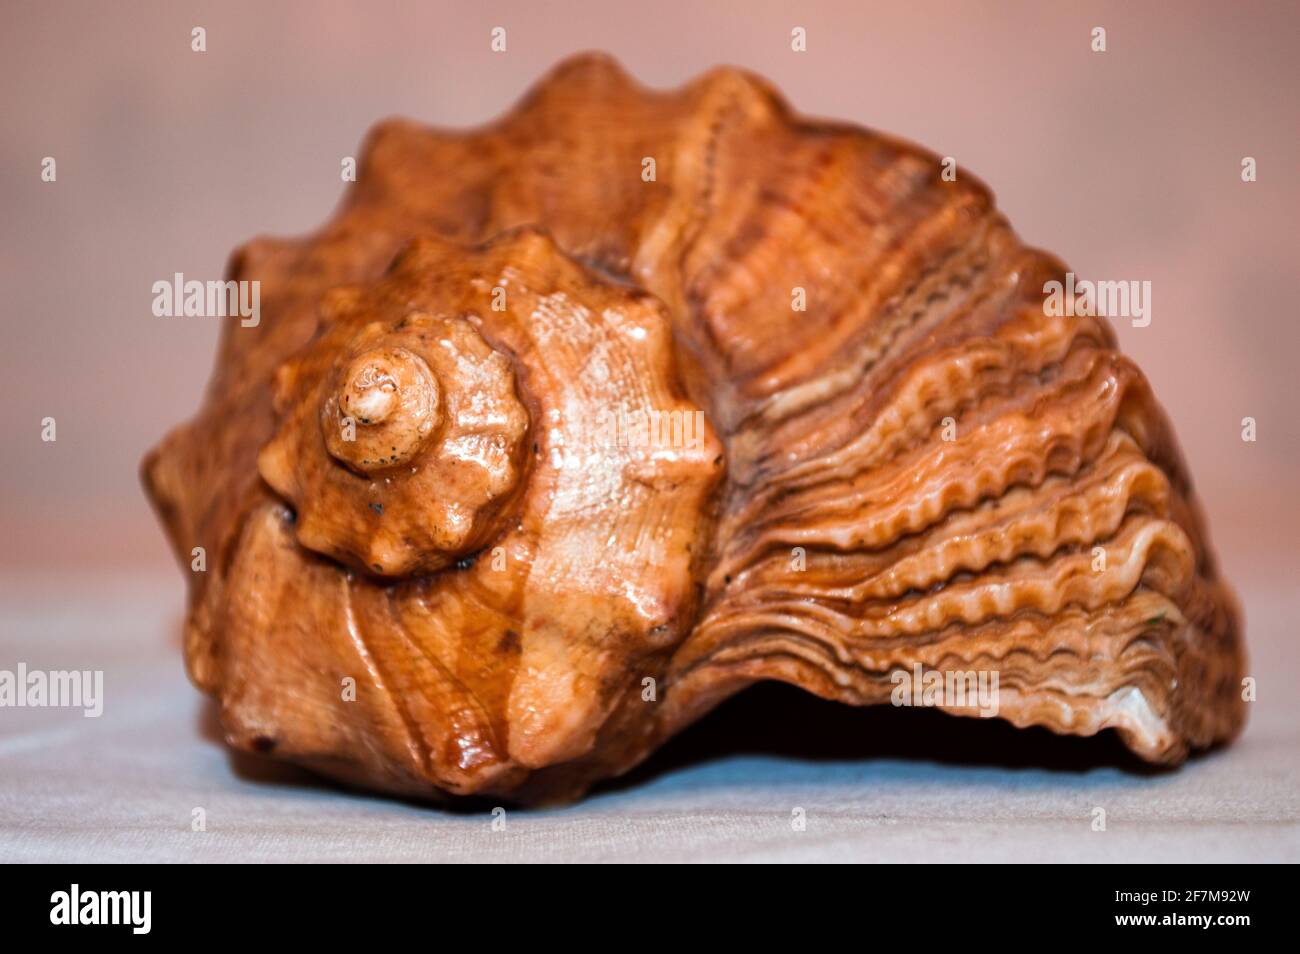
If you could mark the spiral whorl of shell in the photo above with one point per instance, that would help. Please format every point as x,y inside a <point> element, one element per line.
<point>400,441</point>
<point>919,470</point>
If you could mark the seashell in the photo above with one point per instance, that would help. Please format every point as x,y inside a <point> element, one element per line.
<point>604,473</point>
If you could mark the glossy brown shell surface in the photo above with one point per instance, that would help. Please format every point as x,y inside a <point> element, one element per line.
<point>604,473</point>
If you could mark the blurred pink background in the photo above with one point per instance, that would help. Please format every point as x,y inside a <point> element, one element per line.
<point>1126,164</point>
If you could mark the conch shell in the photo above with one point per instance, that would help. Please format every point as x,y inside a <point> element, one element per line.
<point>535,457</point>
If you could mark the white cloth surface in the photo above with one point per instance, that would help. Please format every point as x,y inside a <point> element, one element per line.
<point>124,786</point>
